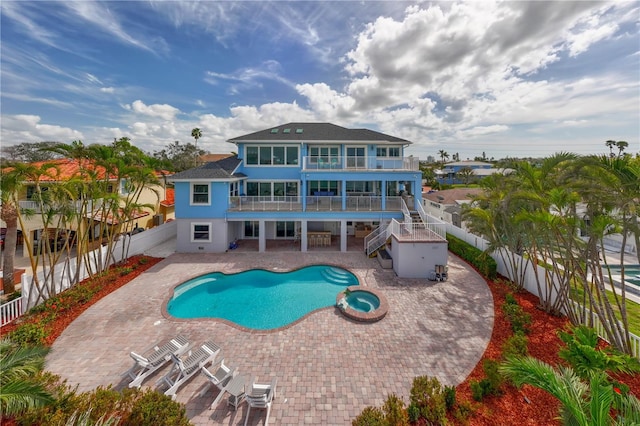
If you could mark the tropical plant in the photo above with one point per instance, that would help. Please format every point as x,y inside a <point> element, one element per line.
<point>443,155</point>
<point>591,403</point>
<point>581,353</point>
<point>18,367</point>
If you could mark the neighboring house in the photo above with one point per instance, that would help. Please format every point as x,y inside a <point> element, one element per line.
<point>63,170</point>
<point>446,205</point>
<point>451,172</point>
<point>315,184</point>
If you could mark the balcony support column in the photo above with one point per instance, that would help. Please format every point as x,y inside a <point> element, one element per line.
<point>262,241</point>
<point>343,235</point>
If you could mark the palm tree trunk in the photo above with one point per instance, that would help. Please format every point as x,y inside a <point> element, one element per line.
<point>10,217</point>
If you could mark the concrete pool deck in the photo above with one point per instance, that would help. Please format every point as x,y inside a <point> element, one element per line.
<point>328,367</point>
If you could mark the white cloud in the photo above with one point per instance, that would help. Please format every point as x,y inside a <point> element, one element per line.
<point>107,90</point>
<point>21,128</point>
<point>161,111</point>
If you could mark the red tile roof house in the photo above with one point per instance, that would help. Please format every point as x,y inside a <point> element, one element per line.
<point>62,170</point>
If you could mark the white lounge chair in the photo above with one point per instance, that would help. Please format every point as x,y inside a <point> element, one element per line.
<point>183,370</point>
<point>147,364</point>
<point>220,378</point>
<point>260,396</point>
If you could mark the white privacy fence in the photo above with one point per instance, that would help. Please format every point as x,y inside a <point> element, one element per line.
<point>66,270</point>
<point>530,281</point>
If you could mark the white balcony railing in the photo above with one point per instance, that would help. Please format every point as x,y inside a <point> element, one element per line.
<point>328,163</point>
<point>314,203</point>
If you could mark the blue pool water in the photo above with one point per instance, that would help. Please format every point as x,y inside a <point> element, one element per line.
<point>631,276</point>
<point>260,299</point>
<point>363,301</point>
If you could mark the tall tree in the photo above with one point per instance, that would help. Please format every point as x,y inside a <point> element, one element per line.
<point>196,134</point>
<point>10,184</point>
<point>443,155</point>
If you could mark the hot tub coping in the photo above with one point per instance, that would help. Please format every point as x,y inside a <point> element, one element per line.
<point>372,316</point>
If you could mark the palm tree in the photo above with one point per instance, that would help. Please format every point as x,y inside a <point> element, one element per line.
<point>443,154</point>
<point>621,146</point>
<point>582,403</point>
<point>610,144</point>
<point>19,392</point>
<point>196,133</point>
<point>9,185</point>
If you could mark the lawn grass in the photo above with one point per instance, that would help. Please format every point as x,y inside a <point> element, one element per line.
<point>633,309</point>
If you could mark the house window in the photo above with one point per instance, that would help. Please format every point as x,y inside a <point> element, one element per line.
<point>234,189</point>
<point>388,151</point>
<point>200,193</point>
<point>269,189</point>
<point>272,155</point>
<point>356,156</point>
<point>285,229</point>
<point>200,232</point>
<point>323,187</point>
<point>251,229</point>
<point>125,187</point>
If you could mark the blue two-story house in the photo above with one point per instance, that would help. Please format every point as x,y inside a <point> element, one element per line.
<point>315,184</point>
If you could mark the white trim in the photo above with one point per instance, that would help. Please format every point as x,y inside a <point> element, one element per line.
<point>193,230</point>
<point>208,185</point>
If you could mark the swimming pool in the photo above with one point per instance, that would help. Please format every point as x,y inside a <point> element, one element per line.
<point>631,276</point>
<point>260,299</point>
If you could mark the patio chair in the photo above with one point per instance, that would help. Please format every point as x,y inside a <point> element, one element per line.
<point>183,370</point>
<point>147,364</point>
<point>260,396</point>
<point>220,378</point>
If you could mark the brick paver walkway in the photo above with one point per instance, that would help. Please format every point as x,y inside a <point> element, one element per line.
<point>328,368</point>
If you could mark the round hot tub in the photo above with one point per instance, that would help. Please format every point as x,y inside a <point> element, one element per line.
<point>360,304</point>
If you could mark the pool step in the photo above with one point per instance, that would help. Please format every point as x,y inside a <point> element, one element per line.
<point>337,276</point>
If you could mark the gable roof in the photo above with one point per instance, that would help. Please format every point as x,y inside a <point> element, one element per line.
<point>317,132</point>
<point>452,196</point>
<point>221,169</point>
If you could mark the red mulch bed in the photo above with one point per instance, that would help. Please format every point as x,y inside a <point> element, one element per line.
<point>109,283</point>
<point>510,408</point>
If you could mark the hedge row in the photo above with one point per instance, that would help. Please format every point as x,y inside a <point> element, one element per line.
<point>484,263</point>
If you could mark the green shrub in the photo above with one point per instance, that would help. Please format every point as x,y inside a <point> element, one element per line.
<point>154,408</point>
<point>414,412</point>
<point>394,410</point>
<point>370,416</point>
<point>125,271</point>
<point>428,395</point>
<point>462,412</point>
<point>516,345</point>
<point>490,368</point>
<point>510,299</point>
<point>485,264</point>
<point>143,260</point>
<point>490,385</point>
<point>519,319</point>
<point>449,397</point>
<point>29,334</point>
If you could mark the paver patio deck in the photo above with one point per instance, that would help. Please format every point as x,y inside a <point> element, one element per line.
<point>328,368</point>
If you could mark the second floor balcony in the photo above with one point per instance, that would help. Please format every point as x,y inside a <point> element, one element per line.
<point>340,163</point>
<point>315,203</point>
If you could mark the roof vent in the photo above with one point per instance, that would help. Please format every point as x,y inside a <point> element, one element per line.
<point>298,130</point>
<point>274,130</point>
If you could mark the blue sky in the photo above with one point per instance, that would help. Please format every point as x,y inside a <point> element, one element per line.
<point>504,78</point>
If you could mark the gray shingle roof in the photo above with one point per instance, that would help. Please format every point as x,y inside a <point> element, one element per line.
<point>222,169</point>
<point>316,132</point>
